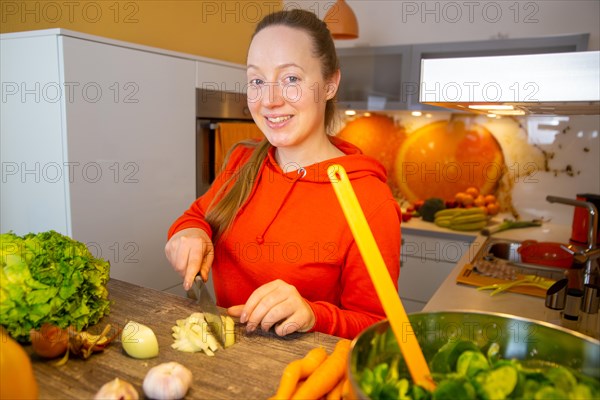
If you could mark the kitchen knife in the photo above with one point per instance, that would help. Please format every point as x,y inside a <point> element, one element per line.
<point>209,309</point>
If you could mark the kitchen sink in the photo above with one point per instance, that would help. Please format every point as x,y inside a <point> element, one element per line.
<point>500,258</point>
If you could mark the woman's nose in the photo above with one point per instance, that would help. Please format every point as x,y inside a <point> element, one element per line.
<point>272,95</point>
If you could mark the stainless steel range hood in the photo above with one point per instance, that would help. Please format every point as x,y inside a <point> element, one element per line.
<point>556,84</point>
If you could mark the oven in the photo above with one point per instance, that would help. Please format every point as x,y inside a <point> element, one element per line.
<point>222,119</point>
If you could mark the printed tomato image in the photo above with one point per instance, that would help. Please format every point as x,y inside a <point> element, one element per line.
<point>447,157</point>
<point>377,136</point>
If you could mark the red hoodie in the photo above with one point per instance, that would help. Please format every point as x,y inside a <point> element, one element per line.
<point>292,228</point>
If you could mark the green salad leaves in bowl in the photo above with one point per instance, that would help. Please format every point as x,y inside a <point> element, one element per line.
<point>475,355</point>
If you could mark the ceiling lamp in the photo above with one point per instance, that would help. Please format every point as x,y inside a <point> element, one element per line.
<point>341,21</point>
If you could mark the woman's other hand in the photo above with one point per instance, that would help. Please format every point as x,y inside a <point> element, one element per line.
<point>275,304</point>
<point>190,251</point>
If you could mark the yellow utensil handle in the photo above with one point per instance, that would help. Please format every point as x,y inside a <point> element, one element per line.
<point>392,306</point>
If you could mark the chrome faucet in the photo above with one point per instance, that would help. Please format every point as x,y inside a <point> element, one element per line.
<point>592,252</point>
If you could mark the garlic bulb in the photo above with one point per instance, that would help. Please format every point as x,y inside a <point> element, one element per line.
<point>167,381</point>
<point>117,389</point>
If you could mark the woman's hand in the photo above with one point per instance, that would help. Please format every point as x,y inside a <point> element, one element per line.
<point>190,251</point>
<point>275,303</point>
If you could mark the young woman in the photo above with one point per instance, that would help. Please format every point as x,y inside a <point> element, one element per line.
<point>270,227</point>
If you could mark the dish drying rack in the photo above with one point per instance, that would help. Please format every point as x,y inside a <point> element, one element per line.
<point>498,262</point>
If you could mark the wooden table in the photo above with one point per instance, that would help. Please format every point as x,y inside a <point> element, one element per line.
<point>250,369</point>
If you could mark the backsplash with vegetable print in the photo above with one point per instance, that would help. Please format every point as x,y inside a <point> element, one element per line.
<point>507,164</point>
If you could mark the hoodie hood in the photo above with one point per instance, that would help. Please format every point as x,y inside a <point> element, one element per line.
<point>287,183</point>
<point>356,164</point>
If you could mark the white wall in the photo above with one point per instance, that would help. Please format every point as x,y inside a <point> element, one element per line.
<point>392,22</point>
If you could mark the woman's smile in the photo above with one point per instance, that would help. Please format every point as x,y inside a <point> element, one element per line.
<point>277,121</point>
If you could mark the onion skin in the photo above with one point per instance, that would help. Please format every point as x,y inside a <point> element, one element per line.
<point>50,341</point>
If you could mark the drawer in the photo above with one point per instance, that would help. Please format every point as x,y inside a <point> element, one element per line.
<point>434,248</point>
<point>420,277</point>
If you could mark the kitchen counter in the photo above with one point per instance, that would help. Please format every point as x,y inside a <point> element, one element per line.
<point>250,369</point>
<point>453,296</point>
<point>253,366</point>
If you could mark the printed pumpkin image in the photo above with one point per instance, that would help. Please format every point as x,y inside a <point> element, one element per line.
<point>377,136</point>
<point>446,157</point>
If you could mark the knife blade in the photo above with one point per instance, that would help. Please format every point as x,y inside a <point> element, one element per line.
<point>209,309</point>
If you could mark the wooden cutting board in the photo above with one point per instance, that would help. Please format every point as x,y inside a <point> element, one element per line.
<point>469,276</point>
<point>250,369</point>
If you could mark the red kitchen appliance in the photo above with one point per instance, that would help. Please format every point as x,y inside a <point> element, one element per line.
<point>579,232</point>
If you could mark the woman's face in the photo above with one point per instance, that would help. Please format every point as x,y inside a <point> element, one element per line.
<point>286,89</point>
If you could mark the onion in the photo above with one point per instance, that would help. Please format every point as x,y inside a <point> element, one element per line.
<point>139,341</point>
<point>50,341</point>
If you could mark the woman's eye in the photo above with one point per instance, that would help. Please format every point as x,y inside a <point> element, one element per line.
<point>256,82</point>
<point>292,79</point>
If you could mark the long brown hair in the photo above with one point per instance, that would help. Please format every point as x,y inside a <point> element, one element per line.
<point>227,202</point>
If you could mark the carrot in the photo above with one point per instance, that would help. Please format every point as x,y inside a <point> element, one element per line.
<point>336,392</point>
<point>301,382</point>
<point>346,393</point>
<point>327,375</point>
<point>297,370</point>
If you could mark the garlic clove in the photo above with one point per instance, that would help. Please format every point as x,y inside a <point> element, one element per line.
<point>117,389</point>
<point>167,381</point>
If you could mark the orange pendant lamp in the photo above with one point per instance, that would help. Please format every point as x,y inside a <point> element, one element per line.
<point>341,21</point>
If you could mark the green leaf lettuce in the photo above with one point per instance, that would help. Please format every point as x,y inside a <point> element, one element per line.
<point>49,277</point>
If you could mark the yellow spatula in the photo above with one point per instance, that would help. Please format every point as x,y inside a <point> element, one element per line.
<point>392,306</point>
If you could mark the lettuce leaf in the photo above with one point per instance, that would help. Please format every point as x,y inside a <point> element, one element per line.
<point>49,277</point>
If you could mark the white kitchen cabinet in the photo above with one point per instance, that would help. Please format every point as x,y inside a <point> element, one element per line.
<point>373,77</point>
<point>221,76</point>
<point>98,143</point>
<point>426,259</point>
